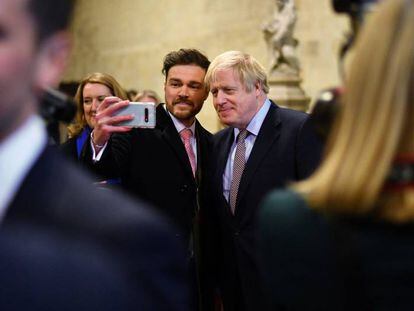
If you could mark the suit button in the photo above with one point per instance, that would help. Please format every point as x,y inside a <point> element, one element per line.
<point>236,233</point>
<point>184,188</point>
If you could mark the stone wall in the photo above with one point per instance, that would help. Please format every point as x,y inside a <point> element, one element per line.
<point>129,38</point>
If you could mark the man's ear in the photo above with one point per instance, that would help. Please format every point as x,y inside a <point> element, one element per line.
<point>258,88</point>
<point>52,60</point>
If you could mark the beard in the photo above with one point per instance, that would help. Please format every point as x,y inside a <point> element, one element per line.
<point>185,110</point>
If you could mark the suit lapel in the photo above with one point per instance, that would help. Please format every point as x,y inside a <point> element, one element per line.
<point>202,144</point>
<point>170,135</point>
<point>223,150</point>
<point>223,154</point>
<point>268,134</point>
<point>33,197</point>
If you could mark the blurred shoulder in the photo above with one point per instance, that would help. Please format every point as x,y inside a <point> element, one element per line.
<point>283,203</point>
<point>291,115</point>
<point>69,196</point>
<point>287,211</point>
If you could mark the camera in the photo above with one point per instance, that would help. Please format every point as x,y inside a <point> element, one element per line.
<point>353,7</point>
<point>56,106</point>
<point>356,9</point>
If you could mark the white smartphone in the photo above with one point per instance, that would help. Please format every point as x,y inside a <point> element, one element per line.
<point>144,113</point>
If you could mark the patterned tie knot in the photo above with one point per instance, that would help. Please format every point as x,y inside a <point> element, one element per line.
<point>242,135</point>
<point>186,134</point>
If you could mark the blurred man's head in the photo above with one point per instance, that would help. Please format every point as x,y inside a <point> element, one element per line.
<point>34,49</point>
<point>50,16</point>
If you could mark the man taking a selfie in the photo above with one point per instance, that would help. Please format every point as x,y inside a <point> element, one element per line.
<point>165,165</point>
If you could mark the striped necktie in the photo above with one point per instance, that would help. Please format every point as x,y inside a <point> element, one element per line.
<point>238,168</point>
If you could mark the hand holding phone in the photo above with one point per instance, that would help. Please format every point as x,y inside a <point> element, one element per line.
<point>144,115</point>
<point>106,120</point>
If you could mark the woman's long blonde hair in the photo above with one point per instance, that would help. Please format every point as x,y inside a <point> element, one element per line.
<point>102,78</point>
<point>375,123</point>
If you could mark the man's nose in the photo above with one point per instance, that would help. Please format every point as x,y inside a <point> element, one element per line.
<point>220,98</point>
<point>183,91</point>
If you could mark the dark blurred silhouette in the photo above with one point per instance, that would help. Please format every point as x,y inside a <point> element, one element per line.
<point>325,110</point>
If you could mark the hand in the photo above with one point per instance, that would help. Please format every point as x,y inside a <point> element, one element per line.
<point>105,120</point>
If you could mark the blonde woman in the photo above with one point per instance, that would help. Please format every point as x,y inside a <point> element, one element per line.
<point>91,92</point>
<point>343,239</point>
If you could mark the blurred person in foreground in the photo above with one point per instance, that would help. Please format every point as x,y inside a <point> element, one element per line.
<point>342,239</point>
<point>264,147</point>
<point>40,190</point>
<point>92,90</point>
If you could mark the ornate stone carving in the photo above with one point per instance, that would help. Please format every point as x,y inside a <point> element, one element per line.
<point>278,33</point>
<point>284,65</point>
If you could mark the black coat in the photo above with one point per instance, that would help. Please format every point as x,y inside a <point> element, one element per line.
<point>154,166</point>
<point>285,149</point>
<point>69,148</point>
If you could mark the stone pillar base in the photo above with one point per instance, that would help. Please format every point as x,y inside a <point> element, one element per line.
<point>285,91</point>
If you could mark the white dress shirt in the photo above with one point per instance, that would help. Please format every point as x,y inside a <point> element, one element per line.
<point>253,128</point>
<point>18,152</point>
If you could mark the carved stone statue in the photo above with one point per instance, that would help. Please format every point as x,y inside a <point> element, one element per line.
<point>281,44</point>
<point>284,69</point>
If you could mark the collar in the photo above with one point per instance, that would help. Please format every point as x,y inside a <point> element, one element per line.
<point>178,124</point>
<point>18,152</point>
<point>256,123</point>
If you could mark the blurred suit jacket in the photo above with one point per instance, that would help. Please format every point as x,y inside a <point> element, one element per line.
<point>55,195</point>
<point>44,269</point>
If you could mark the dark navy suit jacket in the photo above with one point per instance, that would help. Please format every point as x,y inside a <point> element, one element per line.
<point>286,149</point>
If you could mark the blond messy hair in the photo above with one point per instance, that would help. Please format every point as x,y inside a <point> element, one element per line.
<point>249,70</point>
<point>375,124</point>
